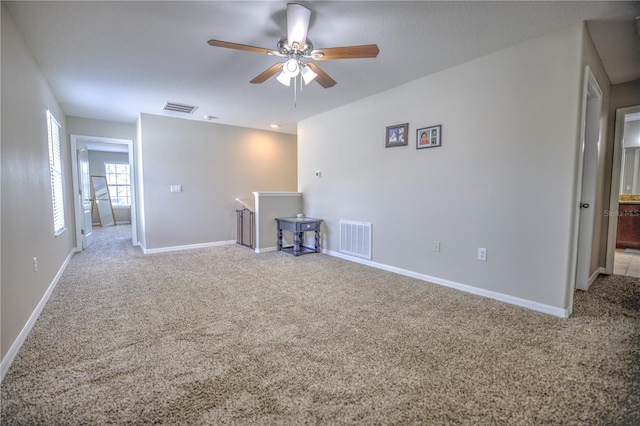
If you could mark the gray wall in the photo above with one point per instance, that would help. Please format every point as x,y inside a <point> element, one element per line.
<point>101,128</point>
<point>215,164</point>
<point>98,158</point>
<point>269,206</point>
<point>504,178</point>
<point>27,223</point>
<point>632,133</point>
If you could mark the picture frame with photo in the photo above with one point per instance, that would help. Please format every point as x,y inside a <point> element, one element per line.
<point>429,137</point>
<point>397,135</point>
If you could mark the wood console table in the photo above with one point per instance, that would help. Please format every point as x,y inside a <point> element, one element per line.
<point>299,226</point>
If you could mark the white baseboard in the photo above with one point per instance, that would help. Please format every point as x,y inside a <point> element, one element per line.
<point>187,247</point>
<point>525,303</point>
<point>22,336</point>
<point>266,249</point>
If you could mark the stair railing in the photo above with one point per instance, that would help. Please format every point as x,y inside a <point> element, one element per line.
<point>245,226</point>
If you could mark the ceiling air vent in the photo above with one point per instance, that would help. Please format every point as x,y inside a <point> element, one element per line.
<point>172,106</point>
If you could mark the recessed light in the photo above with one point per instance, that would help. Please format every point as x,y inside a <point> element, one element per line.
<point>274,126</point>
<point>210,117</point>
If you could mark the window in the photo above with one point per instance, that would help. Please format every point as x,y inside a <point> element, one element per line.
<point>55,169</point>
<point>119,184</point>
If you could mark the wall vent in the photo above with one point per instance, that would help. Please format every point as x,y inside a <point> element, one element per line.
<point>355,238</point>
<point>172,106</point>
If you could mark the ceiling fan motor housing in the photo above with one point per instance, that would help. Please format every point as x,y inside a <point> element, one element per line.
<point>287,50</point>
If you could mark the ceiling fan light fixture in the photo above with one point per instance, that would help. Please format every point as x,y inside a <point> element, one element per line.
<point>308,75</point>
<point>284,79</point>
<point>291,68</point>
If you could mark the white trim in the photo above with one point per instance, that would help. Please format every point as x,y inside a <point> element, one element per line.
<point>266,250</point>
<point>22,336</point>
<point>513,300</point>
<point>256,221</point>
<point>277,194</point>
<point>187,247</point>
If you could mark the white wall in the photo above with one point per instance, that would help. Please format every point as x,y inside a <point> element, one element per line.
<point>215,164</point>
<point>27,223</point>
<point>503,179</point>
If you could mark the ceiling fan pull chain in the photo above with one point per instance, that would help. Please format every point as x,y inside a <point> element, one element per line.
<point>295,92</point>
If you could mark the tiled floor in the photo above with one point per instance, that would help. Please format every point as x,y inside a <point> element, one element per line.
<point>627,262</point>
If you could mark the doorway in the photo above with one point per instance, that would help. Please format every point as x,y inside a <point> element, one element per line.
<point>588,170</point>
<point>623,246</point>
<point>81,149</point>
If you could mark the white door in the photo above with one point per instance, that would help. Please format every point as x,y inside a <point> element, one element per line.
<point>85,197</point>
<point>590,139</point>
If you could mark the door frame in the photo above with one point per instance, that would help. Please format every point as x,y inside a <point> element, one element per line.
<point>76,140</point>
<point>590,85</point>
<point>85,237</point>
<point>616,170</point>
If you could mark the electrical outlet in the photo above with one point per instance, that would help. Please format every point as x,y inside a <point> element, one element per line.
<point>482,254</point>
<point>176,188</point>
<point>35,264</point>
<point>436,246</point>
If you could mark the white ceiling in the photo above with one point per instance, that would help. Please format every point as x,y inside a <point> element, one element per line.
<point>112,60</point>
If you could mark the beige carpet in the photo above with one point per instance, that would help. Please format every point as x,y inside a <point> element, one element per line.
<point>226,336</point>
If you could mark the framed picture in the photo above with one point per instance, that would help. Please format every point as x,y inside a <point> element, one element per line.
<point>429,137</point>
<point>397,135</point>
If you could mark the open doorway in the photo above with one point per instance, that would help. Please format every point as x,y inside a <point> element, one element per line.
<point>112,159</point>
<point>585,272</point>
<point>623,248</point>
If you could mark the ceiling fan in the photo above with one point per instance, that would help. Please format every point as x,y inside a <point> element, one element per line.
<point>298,51</point>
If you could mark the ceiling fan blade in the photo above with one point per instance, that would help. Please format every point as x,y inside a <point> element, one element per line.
<point>268,73</point>
<point>347,52</point>
<point>322,78</point>
<point>297,24</point>
<point>238,46</point>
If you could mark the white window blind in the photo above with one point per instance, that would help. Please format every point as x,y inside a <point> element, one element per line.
<point>55,168</point>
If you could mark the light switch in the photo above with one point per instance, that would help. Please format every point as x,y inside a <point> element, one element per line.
<point>482,254</point>
<point>176,188</point>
